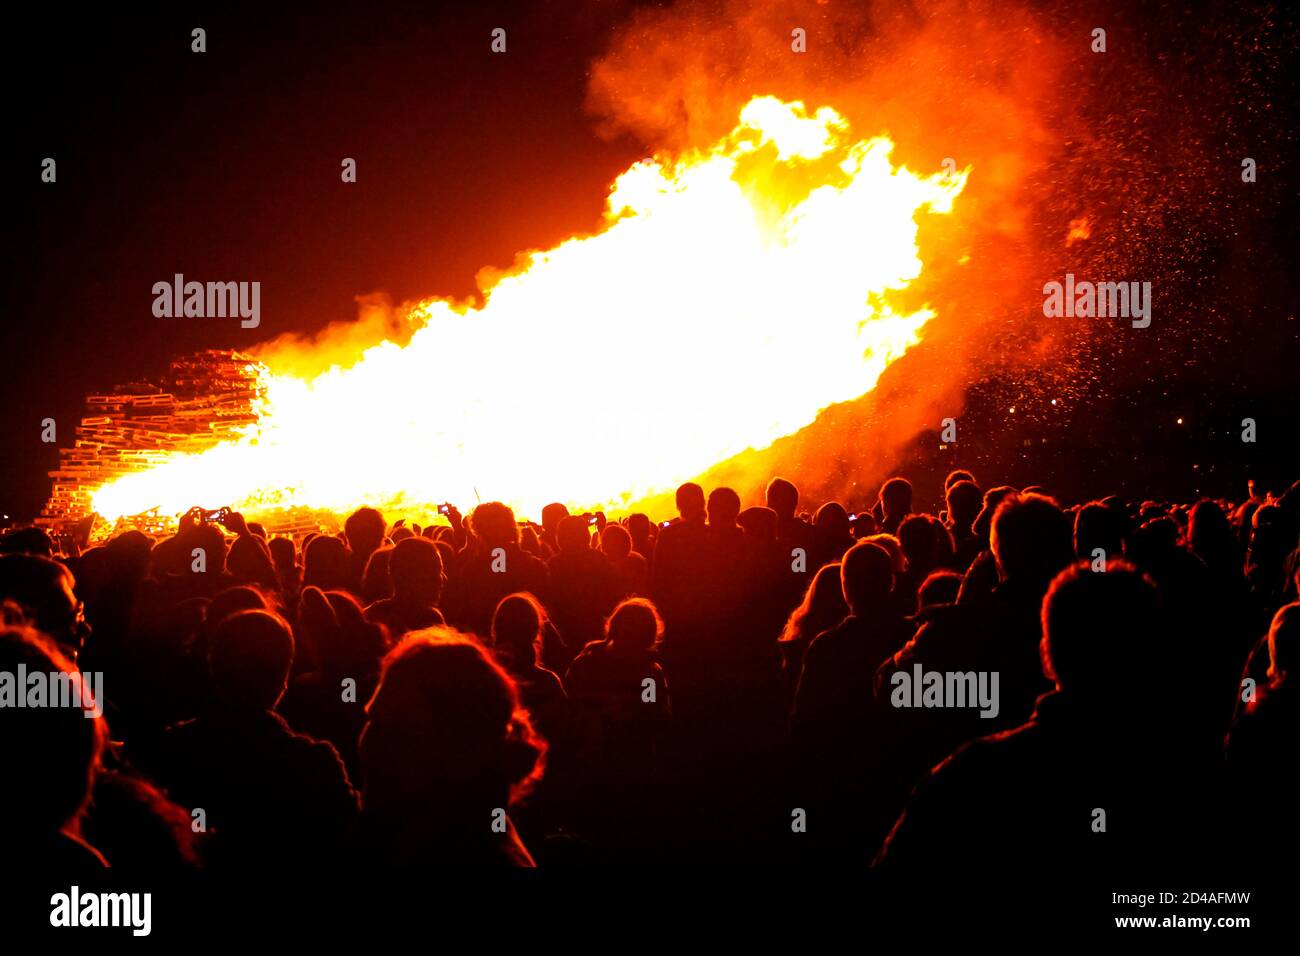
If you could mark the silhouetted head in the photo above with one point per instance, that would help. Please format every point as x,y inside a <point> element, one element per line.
<point>329,641</point>
<point>956,476</point>
<point>1100,629</point>
<point>1098,526</point>
<point>1284,642</point>
<point>376,582</point>
<point>964,500</point>
<point>635,625</point>
<point>616,541</point>
<point>690,502</point>
<point>365,529</point>
<point>326,562</point>
<point>128,555</point>
<point>250,561</point>
<point>207,538</point>
<point>1209,535</point>
<point>724,508</point>
<point>984,520</point>
<point>822,608</point>
<point>284,553</point>
<point>348,644</point>
<point>867,577</point>
<point>573,534</point>
<point>27,541</point>
<point>1155,544</point>
<point>939,587</point>
<point>1031,538</point>
<point>552,515</point>
<point>51,754</point>
<point>231,601</point>
<point>446,724</point>
<point>890,543</point>
<point>495,524</point>
<point>782,497</point>
<point>517,627</point>
<point>249,657</point>
<point>832,521</point>
<point>638,525</point>
<point>42,590</point>
<point>530,540</point>
<point>918,538</point>
<point>896,497</point>
<point>415,568</point>
<point>759,523</point>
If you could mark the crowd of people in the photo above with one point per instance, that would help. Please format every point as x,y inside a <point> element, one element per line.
<point>721,686</point>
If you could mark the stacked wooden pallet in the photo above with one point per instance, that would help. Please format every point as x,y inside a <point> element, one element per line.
<point>204,399</point>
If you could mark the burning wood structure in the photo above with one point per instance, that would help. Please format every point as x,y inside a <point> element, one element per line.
<point>205,398</point>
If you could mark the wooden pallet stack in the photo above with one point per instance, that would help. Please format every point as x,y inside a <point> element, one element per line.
<point>204,399</point>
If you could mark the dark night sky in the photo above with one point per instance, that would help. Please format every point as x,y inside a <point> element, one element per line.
<point>226,166</point>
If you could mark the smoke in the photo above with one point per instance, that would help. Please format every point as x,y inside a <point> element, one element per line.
<point>341,344</point>
<point>980,84</point>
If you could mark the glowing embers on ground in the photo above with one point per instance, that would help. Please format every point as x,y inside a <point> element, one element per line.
<point>732,294</point>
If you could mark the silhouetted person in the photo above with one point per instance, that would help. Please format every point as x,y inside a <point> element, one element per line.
<point>552,515</point>
<point>327,564</point>
<point>680,563</point>
<point>491,565</point>
<point>517,628</point>
<point>1261,750</point>
<point>620,695</point>
<point>257,782</point>
<point>835,686</point>
<point>43,591</point>
<point>1031,542</point>
<point>446,753</point>
<point>584,587</point>
<point>729,569</point>
<point>338,653</point>
<point>831,532</point>
<point>939,588</point>
<point>51,754</point>
<point>632,568</point>
<point>964,500</point>
<point>823,608</point>
<point>1027,800</point>
<point>27,541</point>
<point>415,570</point>
<point>955,476</point>
<point>833,722</point>
<point>640,527</point>
<point>136,827</point>
<point>925,546</point>
<point>364,531</point>
<point>894,505</point>
<point>249,561</point>
<point>285,556</point>
<point>796,539</point>
<point>1099,528</point>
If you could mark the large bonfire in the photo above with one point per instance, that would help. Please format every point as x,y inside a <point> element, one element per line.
<point>732,293</point>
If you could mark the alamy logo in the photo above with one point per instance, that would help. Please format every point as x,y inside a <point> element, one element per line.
<point>1102,300</point>
<point>102,909</point>
<point>922,688</point>
<point>55,689</point>
<point>212,300</point>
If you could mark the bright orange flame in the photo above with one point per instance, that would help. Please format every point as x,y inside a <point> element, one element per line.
<point>732,294</point>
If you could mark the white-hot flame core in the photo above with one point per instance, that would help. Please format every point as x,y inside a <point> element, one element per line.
<point>733,293</point>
